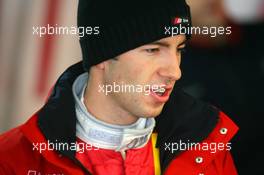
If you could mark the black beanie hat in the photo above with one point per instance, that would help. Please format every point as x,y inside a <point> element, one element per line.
<point>122,25</point>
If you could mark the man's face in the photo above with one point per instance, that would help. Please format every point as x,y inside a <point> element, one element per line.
<point>146,67</point>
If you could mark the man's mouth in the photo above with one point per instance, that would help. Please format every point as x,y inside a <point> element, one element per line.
<point>160,91</point>
<point>161,94</point>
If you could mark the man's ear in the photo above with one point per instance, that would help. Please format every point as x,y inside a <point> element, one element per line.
<point>101,65</point>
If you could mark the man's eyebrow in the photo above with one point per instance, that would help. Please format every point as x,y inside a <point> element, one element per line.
<point>165,44</point>
<point>160,43</point>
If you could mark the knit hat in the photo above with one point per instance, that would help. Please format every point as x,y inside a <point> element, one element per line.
<point>115,27</point>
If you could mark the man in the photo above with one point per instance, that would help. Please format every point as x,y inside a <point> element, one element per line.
<point>120,111</point>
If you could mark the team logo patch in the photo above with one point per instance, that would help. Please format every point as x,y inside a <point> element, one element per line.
<point>178,20</point>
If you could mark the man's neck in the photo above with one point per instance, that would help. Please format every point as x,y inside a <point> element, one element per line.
<point>103,108</point>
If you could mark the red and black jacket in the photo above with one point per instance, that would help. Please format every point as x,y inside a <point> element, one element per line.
<point>183,119</point>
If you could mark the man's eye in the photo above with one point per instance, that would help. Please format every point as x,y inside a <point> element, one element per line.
<point>152,50</point>
<point>183,49</point>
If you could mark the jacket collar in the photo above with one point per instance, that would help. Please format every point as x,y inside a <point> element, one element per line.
<point>183,117</point>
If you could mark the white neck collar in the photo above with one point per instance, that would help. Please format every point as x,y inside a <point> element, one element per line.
<point>102,134</point>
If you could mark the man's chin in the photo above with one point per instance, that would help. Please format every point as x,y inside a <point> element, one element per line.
<point>154,112</point>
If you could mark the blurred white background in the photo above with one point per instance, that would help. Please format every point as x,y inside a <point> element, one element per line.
<point>30,65</point>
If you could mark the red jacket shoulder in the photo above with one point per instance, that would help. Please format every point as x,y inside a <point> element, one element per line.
<point>11,140</point>
<point>15,146</point>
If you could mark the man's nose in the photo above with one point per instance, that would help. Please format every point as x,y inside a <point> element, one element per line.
<point>171,67</point>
